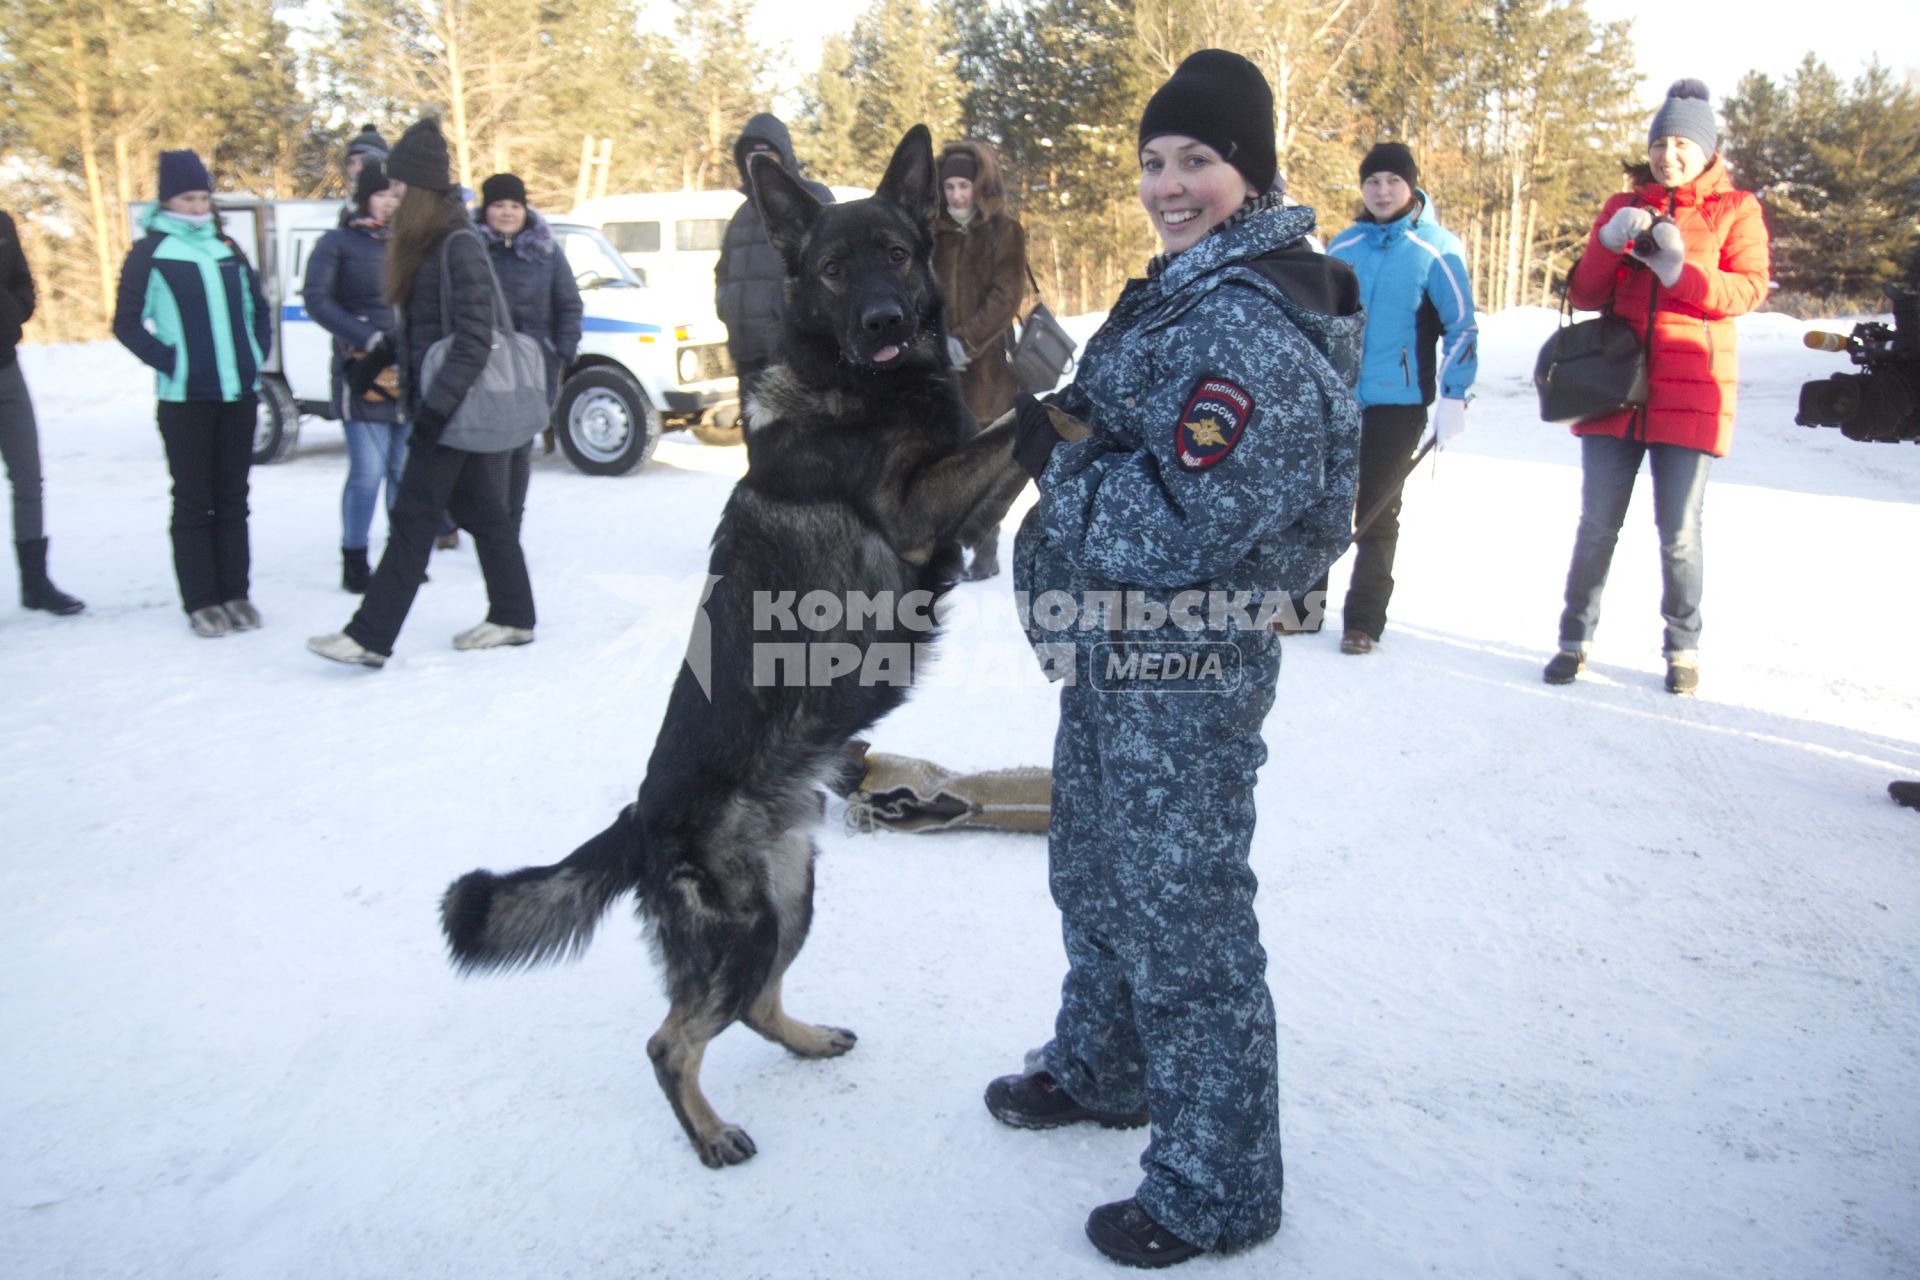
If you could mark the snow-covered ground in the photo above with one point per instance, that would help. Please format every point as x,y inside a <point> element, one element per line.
<point>1588,981</point>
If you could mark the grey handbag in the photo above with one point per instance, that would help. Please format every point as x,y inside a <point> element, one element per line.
<point>507,404</point>
<point>1044,351</point>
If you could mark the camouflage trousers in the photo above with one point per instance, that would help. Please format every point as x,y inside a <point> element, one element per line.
<point>1165,1005</point>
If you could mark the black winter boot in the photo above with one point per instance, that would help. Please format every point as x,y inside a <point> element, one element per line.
<point>1128,1234</point>
<point>36,591</point>
<point>1906,793</point>
<point>354,573</point>
<point>1036,1101</point>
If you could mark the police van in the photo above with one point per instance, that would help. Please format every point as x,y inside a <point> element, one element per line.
<point>646,363</point>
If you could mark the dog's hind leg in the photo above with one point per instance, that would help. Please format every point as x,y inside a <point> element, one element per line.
<point>677,1049</point>
<point>767,1017</point>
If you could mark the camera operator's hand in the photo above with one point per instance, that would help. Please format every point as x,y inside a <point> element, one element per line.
<point>1668,255</point>
<point>1621,229</point>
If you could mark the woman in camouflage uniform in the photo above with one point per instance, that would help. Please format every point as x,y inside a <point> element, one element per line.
<point>1218,473</point>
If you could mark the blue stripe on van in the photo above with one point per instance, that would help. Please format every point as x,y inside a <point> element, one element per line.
<point>600,324</point>
<point>293,311</point>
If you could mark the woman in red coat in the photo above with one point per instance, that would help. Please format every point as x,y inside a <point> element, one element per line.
<point>1677,257</point>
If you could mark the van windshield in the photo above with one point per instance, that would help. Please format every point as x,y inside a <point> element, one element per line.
<point>593,261</point>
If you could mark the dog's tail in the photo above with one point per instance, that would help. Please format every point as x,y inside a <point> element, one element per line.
<point>537,914</point>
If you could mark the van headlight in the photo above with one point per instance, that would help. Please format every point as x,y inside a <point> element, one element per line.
<point>687,364</point>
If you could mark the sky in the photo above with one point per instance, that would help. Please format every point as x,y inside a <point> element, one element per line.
<point>1717,42</point>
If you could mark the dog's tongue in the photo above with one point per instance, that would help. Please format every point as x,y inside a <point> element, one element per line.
<point>884,354</point>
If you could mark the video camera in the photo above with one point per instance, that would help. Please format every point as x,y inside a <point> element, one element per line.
<point>1881,403</point>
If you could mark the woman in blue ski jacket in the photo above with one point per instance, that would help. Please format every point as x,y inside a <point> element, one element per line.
<point>1413,281</point>
<point>1215,475</point>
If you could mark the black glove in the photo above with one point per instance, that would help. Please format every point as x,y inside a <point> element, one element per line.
<point>428,423</point>
<point>361,374</point>
<point>1034,438</point>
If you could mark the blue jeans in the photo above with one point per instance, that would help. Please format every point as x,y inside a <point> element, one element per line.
<point>1608,468</point>
<point>376,451</point>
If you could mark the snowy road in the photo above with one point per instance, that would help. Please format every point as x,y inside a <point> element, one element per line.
<point>1584,982</point>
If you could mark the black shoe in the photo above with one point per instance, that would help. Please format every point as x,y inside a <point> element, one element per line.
<point>1683,676</point>
<point>1906,793</point>
<point>36,590</point>
<point>1036,1101</point>
<point>354,571</point>
<point>1564,666</point>
<point>1128,1234</point>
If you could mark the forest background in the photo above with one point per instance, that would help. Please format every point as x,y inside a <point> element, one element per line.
<point>1524,115</point>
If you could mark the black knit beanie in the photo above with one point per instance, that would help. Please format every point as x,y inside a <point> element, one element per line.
<point>1391,157</point>
<point>419,159</point>
<point>372,181</point>
<point>182,171</point>
<point>502,186</point>
<point>1221,99</point>
<point>1685,114</point>
<point>368,143</point>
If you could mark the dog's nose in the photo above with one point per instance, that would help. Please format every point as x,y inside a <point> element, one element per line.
<point>882,316</point>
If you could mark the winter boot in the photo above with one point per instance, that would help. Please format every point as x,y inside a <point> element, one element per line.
<point>491,635</point>
<point>242,614</point>
<point>341,647</point>
<point>1036,1101</point>
<point>354,573</point>
<point>210,622</point>
<point>1356,642</point>
<point>36,592</point>
<point>1683,672</point>
<point>1564,666</point>
<point>448,541</point>
<point>1128,1234</point>
<point>1906,793</point>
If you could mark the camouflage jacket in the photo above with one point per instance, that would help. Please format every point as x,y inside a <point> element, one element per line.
<point>1225,439</point>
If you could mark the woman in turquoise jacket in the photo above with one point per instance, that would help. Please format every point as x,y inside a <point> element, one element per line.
<point>190,306</point>
<point>1413,280</point>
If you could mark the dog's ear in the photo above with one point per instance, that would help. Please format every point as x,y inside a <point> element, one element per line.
<point>787,208</point>
<point>909,181</point>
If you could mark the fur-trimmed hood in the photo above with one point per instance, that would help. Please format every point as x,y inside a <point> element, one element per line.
<point>989,191</point>
<point>534,241</point>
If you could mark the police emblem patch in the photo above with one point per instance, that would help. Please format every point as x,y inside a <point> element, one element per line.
<point>1211,424</point>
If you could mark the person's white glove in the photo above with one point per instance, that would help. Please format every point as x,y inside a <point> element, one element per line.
<point>1668,256</point>
<point>1449,422</point>
<point>1627,222</point>
<point>956,353</point>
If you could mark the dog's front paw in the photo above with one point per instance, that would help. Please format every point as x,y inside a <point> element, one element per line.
<point>839,1040</point>
<point>730,1146</point>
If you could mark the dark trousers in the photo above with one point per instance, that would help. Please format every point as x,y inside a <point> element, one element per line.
<point>1608,468</point>
<point>209,451</point>
<point>519,472</point>
<point>472,487</point>
<point>1389,433</point>
<point>20,446</point>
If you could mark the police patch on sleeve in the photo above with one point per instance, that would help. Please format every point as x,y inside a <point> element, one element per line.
<point>1211,424</point>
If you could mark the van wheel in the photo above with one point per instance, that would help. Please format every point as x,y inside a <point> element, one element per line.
<point>605,422</point>
<point>276,427</point>
<point>720,427</point>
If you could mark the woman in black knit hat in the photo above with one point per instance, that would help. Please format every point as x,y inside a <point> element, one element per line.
<point>470,486</point>
<point>1218,470</point>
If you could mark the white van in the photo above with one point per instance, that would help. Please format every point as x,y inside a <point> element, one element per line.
<point>645,364</point>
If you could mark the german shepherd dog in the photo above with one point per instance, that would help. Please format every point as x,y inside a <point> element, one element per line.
<point>864,475</point>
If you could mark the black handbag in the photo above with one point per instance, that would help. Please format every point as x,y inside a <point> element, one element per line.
<point>1043,354</point>
<point>1591,369</point>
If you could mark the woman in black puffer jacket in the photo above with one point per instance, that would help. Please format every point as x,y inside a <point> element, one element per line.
<point>342,294</point>
<point>470,486</point>
<point>541,297</point>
